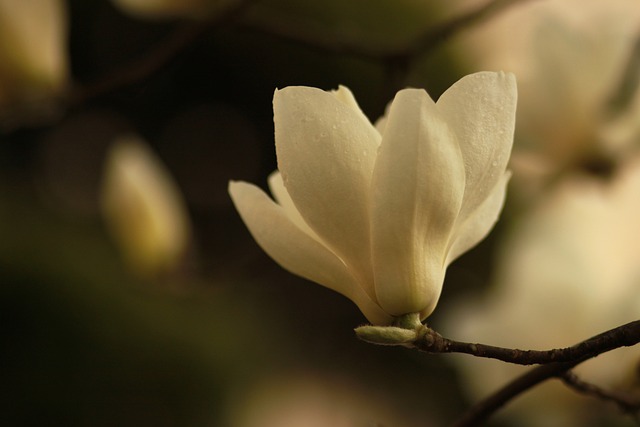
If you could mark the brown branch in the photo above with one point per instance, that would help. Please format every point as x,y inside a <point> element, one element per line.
<point>480,412</point>
<point>184,36</point>
<point>409,332</point>
<point>487,407</point>
<point>625,403</point>
<point>440,33</point>
<point>428,40</point>
<point>135,71</point>
<point>323,43</point>
<point>396,59</point>
<point>623,336</point>
<point>157,58</point>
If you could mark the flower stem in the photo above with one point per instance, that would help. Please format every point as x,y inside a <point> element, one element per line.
<point>408,321</point>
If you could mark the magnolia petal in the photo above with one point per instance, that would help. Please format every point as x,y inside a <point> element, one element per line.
<point>417,190</point>
<point>380,124</point>
<point>282,197</point>
<point>480,222</point>
<point>326,152</point>
<point>344,95</point>
<point>480,108</point>
<point>295,250</point>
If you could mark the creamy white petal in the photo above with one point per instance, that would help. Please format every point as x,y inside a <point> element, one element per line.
<point>295,250</point>
<point>480,108</point>
<point>480,222</point>
<point>380,124</point>
<point>279,192</point>
<point>417,188</point>
<point>326,152</point>
<point>344,95</point>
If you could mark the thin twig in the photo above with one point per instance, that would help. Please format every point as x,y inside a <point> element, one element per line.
<point>555,363</point>
<point>186,35</point>
<point>626,403</point>
<point>157,58</point>
<point>480,412</point>
<point>618,337</point>
<point>140,68</point>
<point>434,36</point>
<point>428,40</point>
<point>623,336</point>
<point>396,59</point>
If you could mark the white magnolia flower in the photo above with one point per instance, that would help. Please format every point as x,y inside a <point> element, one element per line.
<point>377,214</point>
<point>144,208</point>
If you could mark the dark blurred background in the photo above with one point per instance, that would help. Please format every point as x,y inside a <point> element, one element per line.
<point>219,334</point>
<point>85,342</point>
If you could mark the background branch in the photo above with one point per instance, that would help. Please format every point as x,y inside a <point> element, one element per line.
<point>135,71</point>
<point>423,43</point>
<point>487,407</point>
<point>157,58</point>
<point>627,404</point>
<point>432,37</point>
<point>394,57</point>
<point>480,412</point>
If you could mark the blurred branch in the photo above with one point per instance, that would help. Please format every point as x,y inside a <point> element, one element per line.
<point>440,33</point>
<point>396,59</point>
<point>140,68</point>
<point>487,407</point>
<point>157,58</point>
<point>428,40</point>
<point>627,404</point>
<point>629,82</point>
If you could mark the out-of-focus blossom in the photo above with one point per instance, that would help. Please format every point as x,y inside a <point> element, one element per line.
<point>312,401</point>
<point>570,270</point>
<point>33,57</point>
<point>377,214</point>
<point>163,9</point>
<point>144,209</point>
<point>570,58</point>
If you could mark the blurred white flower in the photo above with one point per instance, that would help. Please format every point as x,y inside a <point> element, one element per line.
<point>301,399</point>
<point>144,209</point>
<point>570,270</point>
<point>377,214</point>
<point>570,58</point>
<point>33,55</point>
